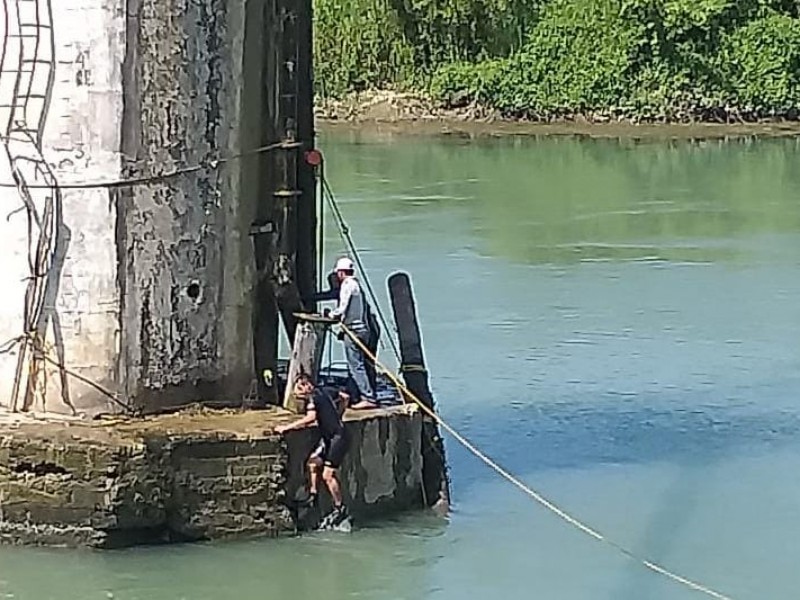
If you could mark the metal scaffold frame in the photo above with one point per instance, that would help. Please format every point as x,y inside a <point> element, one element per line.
<point>28,58</point>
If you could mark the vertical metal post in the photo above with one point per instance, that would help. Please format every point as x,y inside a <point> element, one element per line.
<point>308,223</point>
<point>436,486</point>
<point>286,257</point>
<point>286,193</point>
<point>265,318</point>
<point>291,113</point>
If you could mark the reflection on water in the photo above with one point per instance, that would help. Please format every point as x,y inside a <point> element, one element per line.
<point>564,200</point>
<point>616,322</point>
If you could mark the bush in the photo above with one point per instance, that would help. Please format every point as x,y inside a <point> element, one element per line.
<point>635,59</point>
<point>358,44</point>
<point>381,43</point>
<point>578,57</point>
<point>760,66</point>
<point>459,83</point>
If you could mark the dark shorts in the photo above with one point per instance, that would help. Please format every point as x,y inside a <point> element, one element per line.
<point>351,389</point>
<point>332,450</point>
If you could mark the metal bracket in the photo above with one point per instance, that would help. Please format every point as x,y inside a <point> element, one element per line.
<point>287,193</point>
<point>260,229</point>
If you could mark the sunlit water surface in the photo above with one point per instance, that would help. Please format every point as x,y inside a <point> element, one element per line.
<point>615,322</point>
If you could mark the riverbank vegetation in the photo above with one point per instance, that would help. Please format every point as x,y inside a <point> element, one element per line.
<point>639,60</point>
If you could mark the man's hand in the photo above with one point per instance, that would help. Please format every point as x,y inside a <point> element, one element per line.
<point>309,419</point>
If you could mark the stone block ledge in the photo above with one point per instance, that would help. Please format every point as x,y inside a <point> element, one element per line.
<point>194,475</point>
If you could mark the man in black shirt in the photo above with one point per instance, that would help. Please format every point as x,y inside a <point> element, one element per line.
<point>326,412</point>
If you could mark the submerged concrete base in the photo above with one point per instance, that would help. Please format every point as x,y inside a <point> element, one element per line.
<point>194,475</point>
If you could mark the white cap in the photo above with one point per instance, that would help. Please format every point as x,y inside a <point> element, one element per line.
<point>344,264</point>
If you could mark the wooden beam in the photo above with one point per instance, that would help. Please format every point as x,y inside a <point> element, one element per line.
<point>309,344</point>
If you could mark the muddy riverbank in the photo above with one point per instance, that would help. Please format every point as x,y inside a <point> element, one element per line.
<point>386,113</point>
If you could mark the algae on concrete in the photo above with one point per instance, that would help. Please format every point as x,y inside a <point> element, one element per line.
<point>193,475</point>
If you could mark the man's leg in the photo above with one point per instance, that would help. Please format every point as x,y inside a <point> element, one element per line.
<point>355,363</point>
<point>348,395</point>
<point>337,448</point>
<point>331,478</point>
<point>314,466</point>
<point>330,475</point>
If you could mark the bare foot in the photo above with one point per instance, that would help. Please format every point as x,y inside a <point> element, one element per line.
<point>364,405</point>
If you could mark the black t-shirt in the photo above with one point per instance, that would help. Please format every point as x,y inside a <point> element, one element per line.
<point>328,419</point>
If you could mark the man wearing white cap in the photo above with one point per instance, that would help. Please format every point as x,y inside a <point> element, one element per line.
<point>353,313</point>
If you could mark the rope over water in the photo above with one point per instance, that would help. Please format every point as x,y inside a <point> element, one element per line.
<point>344,232</point>
<point>552,507</point>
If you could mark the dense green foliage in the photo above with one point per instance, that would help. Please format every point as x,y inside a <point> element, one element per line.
<point>380,43</point>
<point>640,59</point>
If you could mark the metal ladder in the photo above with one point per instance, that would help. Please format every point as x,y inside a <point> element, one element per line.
<point>29,35</point>
<point>28,56</point>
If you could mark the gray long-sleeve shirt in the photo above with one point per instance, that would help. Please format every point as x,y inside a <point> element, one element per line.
<point>351,304</point>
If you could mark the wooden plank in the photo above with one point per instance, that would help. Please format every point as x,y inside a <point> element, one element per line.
<point>309,343</point>
<point>315,318</point>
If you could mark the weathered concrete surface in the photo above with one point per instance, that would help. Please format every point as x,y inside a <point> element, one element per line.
<point>186,257</point>
<point>382,472</point>
<point>192,475</point>
<point>78,70</point>
<point>151,292</point>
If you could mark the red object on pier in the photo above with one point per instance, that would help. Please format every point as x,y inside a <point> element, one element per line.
<point>313,157</point>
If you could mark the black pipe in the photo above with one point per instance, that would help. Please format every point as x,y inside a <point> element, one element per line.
<point>436,485</point>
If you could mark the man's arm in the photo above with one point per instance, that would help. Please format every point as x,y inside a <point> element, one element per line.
<point>331,294</point>
<point>306,421</point>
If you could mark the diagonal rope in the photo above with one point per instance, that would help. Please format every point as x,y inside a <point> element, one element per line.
<point>344,233</point>
<point>549,505</point>
<point>46,350</point>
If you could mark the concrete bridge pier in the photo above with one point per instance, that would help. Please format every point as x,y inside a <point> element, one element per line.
<point>148,296</point>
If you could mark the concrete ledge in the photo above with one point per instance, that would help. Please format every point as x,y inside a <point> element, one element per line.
<point>382,472</point>
<point>194,475</point>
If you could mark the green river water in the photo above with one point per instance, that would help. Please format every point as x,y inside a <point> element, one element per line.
<point>616,322</point>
